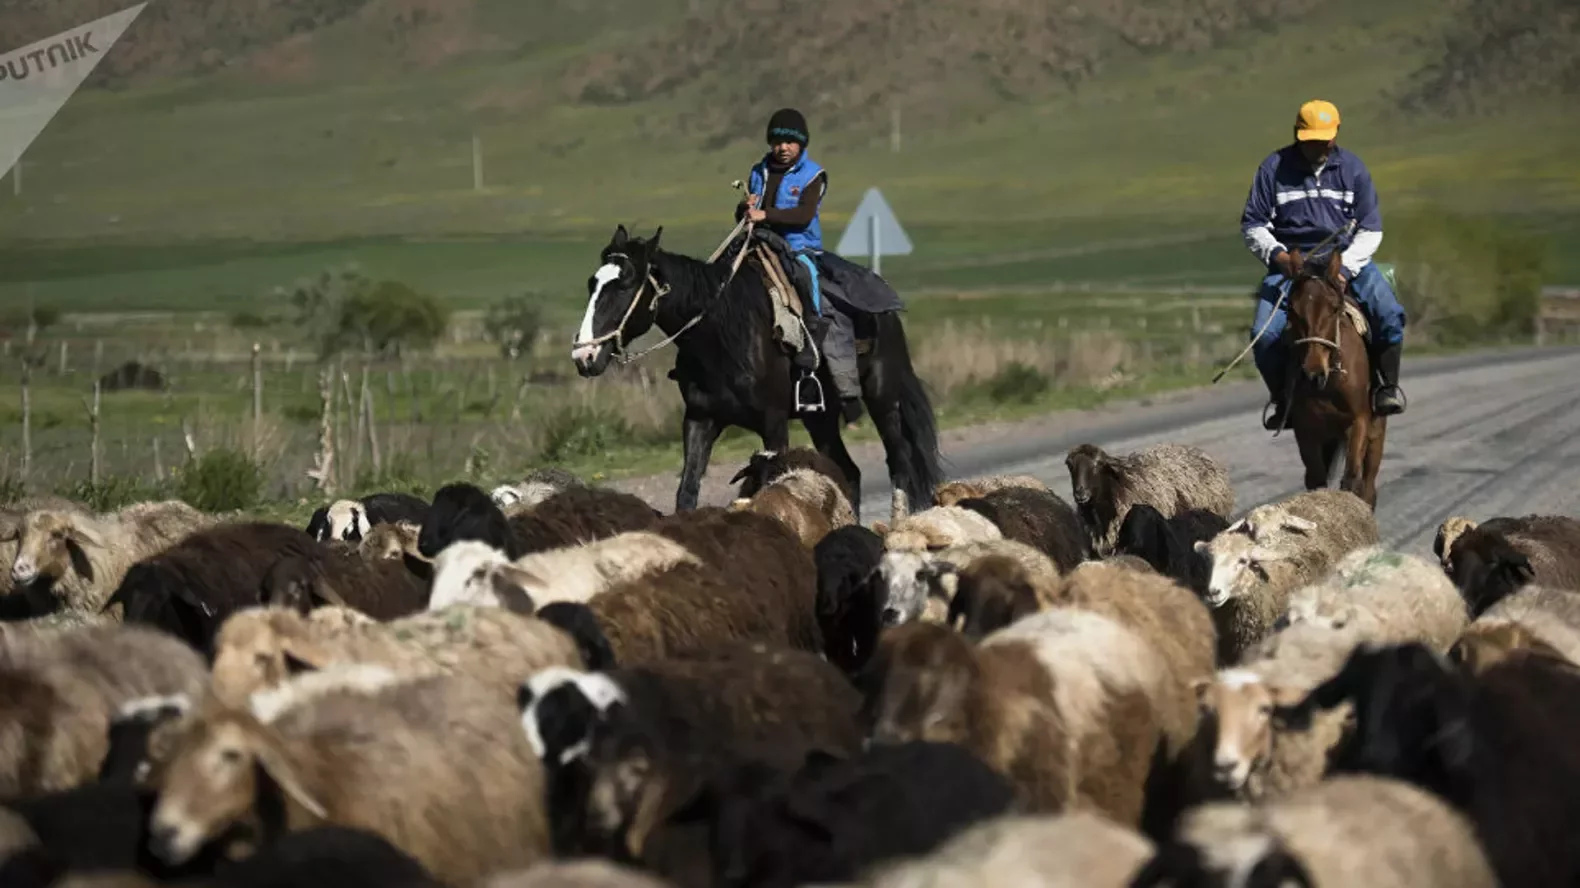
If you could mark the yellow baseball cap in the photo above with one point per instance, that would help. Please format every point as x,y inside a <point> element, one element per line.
<point>1318,121</point>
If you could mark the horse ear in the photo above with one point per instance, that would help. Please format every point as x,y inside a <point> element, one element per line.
<point>652,243</point>
<point>1335,270</point>
<point>620,236</point>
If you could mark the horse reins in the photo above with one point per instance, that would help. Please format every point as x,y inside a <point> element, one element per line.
<point>662,290</point>
<point>1348,226</point>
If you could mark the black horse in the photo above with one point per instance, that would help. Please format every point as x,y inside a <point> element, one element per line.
<point>732,372</point>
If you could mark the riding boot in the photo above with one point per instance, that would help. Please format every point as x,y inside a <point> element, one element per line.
<point>1388,399</point>
<point>1273,413</point>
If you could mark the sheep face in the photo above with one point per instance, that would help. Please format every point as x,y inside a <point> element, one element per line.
<point>1485,645</point>
<point>1242,704</point>
<point>348,521</point>
<point>1486,569</point>
<point>1242,854</point>
<point>211,784</point>
<point>48,544</point>
<point>1089,473</point>
<point>390,542</point>
<point>1238,566</point>
<point>911,581</point>
<point>505,495</point>
<point>253,655</point>
<point>559,707</point>
<point>1450,530</point>
<point>474,573</point>
<point>918,685</point>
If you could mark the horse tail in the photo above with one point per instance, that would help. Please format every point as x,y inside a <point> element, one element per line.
<point>918,424</point>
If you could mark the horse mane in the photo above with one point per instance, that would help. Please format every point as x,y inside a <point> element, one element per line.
<point>730,318</point>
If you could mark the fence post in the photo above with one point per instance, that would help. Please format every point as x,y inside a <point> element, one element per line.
<point>27,417</point>
<point>323,472</point>
<point>371,426</point>
<point>257,403</point>
<point>159,466</point>
<point>62,370</point>
<point>93,423</point>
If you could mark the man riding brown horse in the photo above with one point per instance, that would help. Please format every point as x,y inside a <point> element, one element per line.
<point>1303,195</point>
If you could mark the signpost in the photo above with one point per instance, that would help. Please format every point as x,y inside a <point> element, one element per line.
<point>874,230</point>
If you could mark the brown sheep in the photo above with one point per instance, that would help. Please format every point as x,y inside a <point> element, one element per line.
<point>1065,703</point>
<point>438,766</point>
<point>82,558</point>
<point>579,515</point>
<point>258,649</point>
<point>804,519</point>
<point>1171,478</point>
<point>383,589</point>
<point>767,466</point>
<point>62,690</point>
<point>937,528</point>
<point>1039,518</point>
<point>392,540</point>
<point>1494,559</point>
<point>952,492</point>
<point>11,516</point>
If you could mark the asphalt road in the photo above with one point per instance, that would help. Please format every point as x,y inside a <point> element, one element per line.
<point>1485,435</point>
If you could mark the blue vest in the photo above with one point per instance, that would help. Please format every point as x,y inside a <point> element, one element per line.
<point>810,236</point>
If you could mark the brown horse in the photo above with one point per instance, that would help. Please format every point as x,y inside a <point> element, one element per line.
<point>1331,402</point>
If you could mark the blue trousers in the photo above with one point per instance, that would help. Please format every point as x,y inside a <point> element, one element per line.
<point>1383,313</point>
<point>810,263</point>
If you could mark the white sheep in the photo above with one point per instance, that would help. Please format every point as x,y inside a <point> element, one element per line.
<point>1254,756</point>
<point>1535,617</point>
<point>436,765</point>
<point>1272,551</point>
<point>1078,849</point>
<point>1386,597</point>
<point>1348,830</point>
<point>938,528</point>
<point>470,572</point>
<point>920,585</point>
<point>259,648</point>
<point>83,557</point>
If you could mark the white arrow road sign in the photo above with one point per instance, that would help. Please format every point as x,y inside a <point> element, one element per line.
<point>874,230</point>
<point>36,80</point>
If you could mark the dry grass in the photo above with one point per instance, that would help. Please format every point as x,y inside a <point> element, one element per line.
<point>962,357</point>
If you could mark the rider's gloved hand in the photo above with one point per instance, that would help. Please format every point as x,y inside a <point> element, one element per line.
<point>1281,261</point>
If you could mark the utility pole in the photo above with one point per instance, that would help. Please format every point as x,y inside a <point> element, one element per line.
<point>477,163</point>
<point>894,130</point>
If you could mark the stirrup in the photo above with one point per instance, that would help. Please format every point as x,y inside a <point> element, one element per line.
<point>1271,409</point>
<point>809,406</point>
<point>1404,402</point>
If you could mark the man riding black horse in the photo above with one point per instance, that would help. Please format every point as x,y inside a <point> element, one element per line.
<point>785,192</point>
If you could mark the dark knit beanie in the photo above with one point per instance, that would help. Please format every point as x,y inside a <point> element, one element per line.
<point>787,123</point>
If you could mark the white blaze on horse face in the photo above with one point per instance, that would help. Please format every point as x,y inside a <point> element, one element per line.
<point>603,276</point>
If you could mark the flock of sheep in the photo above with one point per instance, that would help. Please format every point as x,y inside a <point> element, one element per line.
<point>553,684</point>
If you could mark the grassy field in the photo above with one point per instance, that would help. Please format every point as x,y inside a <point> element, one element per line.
<point>1071,244</point>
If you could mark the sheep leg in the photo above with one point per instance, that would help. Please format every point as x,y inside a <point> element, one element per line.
<point>699,434</point>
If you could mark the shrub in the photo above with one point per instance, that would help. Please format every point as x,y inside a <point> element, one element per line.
<point>1016,383</point>
<point>581,431</point>
<point>113,492</point>
<point>1465,279</point>
<point>222,480</point>
<point>11,488</point>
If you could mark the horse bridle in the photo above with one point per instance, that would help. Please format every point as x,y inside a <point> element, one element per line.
<point>618,333</point>
<point>1338,320</point>
<point>662,290</point>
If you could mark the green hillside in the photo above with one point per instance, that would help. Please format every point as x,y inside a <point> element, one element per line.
<point>228,146</point>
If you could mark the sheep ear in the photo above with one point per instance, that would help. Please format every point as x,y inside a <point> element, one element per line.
<point>87,536</point>
<point>1200,687</point>
<point>284,776</point>
<point>880,528</point>
<point>10,531</point>
<point>1201,547</point>
<point>510,587</point>
<point>80,563</point>
<point>302,656</point>
<point>1297,524</point>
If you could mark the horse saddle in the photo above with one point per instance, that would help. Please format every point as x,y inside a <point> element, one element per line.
<point>1352,310</point>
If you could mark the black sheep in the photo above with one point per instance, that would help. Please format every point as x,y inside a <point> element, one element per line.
<point>579,515</point>
<point>1498,746</point>
<point>1496,558</point>
<point>1169,544</point>
<point>765,466</point>
<point>337,856</point>
<point>849,597</point>
<point>1039,518</point>
<point>383,589</point>
<point>375,508</point>
<point>191,588</point>
<point>462,511</point>
<point>834,818</point>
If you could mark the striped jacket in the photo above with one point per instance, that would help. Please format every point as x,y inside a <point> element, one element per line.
<point>1291,205</point>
